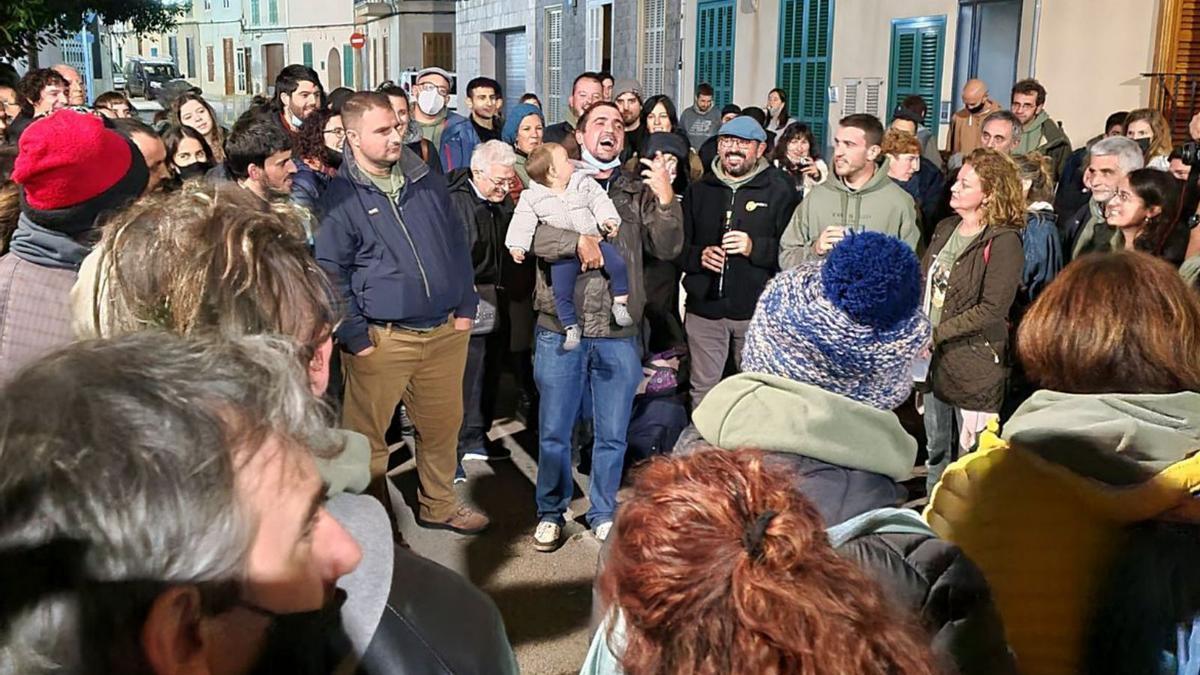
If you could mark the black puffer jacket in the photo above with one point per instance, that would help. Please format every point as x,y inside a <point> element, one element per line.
<point>923,573</point>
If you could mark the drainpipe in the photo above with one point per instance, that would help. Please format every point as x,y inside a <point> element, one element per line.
<point>1033,43</point>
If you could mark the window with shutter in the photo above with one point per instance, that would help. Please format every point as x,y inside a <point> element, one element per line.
<point>654,38</point>
<point>714,48</point>
<point>307,50</point>
<point>273,12</point>
<point>916,64</point>
<point>254,15</point>
<point>804,34</point>
<point>348,65</point>
<point>554,85</point>
<point>211,63</point>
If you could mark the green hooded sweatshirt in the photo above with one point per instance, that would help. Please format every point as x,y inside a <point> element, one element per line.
<point>1044,135</point>
<point>767,412</point>
<point>879,206</point>
<point>1117,438</point>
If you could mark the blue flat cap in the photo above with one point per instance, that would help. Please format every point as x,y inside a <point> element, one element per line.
<point>745,128</point>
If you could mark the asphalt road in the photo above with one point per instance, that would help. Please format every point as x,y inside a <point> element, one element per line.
<point>545,598</point>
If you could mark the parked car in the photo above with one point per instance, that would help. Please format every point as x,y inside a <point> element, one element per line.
<point>118,77</point>
<point>143,76</point>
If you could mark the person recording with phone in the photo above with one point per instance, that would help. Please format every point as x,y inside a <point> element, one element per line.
<point>732,221</point>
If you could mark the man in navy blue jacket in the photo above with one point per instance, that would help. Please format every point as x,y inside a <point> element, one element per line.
<point>393,246</point>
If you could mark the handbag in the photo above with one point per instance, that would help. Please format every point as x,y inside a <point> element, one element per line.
<point>485,316</point>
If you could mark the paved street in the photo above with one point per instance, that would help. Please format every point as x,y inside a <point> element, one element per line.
<point>545,597</point>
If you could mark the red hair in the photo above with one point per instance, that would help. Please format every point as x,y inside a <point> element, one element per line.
<point>701,593</point>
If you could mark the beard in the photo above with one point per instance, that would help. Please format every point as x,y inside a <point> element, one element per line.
<point>741,169</point>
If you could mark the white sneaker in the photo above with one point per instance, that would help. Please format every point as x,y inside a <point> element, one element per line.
<point>602,530</point>
<point>545,538</point>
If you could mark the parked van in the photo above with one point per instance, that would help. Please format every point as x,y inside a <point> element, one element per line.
<point>144,76</point>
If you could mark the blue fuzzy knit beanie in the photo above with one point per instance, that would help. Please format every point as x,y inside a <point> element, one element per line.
<point>512,123</point>
<point>850,325</point>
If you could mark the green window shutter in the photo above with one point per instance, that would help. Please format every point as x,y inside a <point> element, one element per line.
<point>805,29</point>
<point>347,65</point>
<point>916,64</point>
<point>714,48</point>
<point>308,54</point>
<point>273,12</point>
<point>254,12</point>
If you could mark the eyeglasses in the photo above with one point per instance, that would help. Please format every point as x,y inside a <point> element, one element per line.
<point>504,183</point>
<point>429,86</point>
<point>337,132</point>
<point>1124,196</point>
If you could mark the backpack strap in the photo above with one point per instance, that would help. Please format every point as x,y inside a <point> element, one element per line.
<point>878,521</point>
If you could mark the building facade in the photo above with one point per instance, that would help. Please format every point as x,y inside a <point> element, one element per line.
<point>835,57</point>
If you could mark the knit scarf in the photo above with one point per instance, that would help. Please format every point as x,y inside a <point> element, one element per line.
<point>49,248</point>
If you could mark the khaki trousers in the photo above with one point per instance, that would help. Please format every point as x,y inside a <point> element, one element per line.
<point>425,371</point>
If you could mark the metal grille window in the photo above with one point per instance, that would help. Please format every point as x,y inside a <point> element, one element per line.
<point>241,70</point>
<point>554,83</point>
<point>804,37</point>
<point>654,39</point>
<point>714,48</point>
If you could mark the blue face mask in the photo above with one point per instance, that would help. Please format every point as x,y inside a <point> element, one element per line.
<point>591,161</point>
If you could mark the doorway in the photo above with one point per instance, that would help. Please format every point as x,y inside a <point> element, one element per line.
<point>990,55</point>
<point>333,68</point>
<point>273,63</point>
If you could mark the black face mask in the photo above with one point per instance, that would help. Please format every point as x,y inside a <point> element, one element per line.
<point>304,643</point>
<point>975,110</point>
<point>195,170</point>
<point>1144,144</point>
<point>333,158</point>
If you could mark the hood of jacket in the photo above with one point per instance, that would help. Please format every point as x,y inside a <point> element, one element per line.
<point>1118,439</point>
<point>781,415</point>
<point>878,182</point>
<point>459,180</point>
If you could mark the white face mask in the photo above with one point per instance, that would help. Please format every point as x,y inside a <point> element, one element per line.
<point>430,101</point>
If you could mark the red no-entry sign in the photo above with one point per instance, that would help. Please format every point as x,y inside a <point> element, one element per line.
<point>358,40</point>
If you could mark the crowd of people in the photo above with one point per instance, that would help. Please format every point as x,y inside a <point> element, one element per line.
<point>211,339</point>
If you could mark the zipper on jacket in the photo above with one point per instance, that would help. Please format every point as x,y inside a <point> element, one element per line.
<point>413,246</point>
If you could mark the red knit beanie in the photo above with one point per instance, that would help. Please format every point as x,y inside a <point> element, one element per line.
<point>68,163</point>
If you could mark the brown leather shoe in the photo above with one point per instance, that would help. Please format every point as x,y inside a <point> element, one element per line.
<point>465,520</point>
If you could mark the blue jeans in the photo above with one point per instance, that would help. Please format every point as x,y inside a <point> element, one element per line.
<point>943,424</point>
<point>564,273</point>
<point>611,370</point>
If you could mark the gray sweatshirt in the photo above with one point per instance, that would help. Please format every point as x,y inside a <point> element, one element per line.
<point>699,126</point>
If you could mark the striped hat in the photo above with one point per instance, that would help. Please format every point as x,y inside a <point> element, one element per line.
<point>851,325</point>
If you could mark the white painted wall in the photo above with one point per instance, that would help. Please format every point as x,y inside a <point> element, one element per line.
<point>1089,56</point>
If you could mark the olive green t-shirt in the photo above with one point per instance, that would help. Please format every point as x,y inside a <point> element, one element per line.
<point>939,272</point>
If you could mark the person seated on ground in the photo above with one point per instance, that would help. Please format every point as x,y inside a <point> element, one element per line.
<point>196,540</point>
<point>798,156</point>
<point>224,265</point>
<point>188,154</point>
<point>721,568</point>
<point>562,197</point>
<point>1144,212</point>
<point>828,356</point>
<point>1092,478</point>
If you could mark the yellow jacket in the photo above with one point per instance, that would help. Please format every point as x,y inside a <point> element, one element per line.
<point>1042,510</point>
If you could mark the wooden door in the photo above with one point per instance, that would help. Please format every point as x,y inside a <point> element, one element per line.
<point>228,51</point>
<point>438,51</point>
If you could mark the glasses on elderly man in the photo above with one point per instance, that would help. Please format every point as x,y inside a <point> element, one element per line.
<point>504,183</point>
